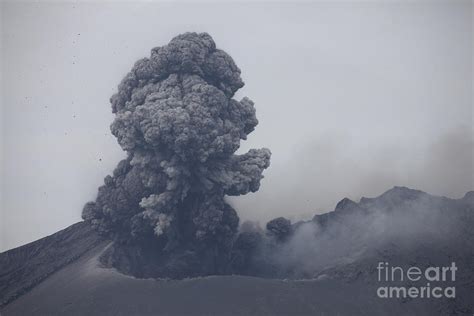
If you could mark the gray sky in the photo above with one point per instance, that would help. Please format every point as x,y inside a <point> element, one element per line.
<point>353,98</point>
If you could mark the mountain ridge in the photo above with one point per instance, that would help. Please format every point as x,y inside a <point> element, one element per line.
<point>338,248</point>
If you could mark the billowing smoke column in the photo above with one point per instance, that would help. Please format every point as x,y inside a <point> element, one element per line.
<point>175,117</point>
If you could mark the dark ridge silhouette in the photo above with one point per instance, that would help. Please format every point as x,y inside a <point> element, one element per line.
<point>24,267</point>
<point>326,265</point>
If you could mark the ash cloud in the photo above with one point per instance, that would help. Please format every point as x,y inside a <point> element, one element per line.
<point>402,225</point>
<point>326,169</point>
<point>176,119</point>
<point>164,205</point>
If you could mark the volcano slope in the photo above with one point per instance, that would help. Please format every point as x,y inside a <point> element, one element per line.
<point>329,266</point>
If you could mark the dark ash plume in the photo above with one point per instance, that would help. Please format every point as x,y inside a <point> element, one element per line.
<point>175,117</point>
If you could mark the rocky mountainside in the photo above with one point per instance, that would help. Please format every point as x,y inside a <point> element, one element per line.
<point>326,265</point>
<point>405,228</point>
<point>24,267</point>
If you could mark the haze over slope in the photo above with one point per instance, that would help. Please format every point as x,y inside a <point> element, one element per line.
<point>336,253</point>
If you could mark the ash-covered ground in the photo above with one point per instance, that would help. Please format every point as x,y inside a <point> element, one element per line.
<point>332,260</point>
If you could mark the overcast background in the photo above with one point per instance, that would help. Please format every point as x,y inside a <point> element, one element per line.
<point>353,98</point>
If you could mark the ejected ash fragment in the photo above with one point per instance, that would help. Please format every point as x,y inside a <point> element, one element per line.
<point>280,228</point>
<point>177,120</point>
